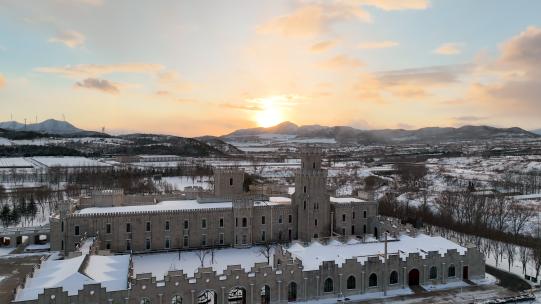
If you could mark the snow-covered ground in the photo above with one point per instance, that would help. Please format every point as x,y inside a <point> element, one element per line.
<point>181,182</point>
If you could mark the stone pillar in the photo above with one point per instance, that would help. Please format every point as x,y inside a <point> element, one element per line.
<point>193,296</point>
<point>279,291</point>
<point>404,278</point>
<point>223,295</point>
<point>362,282</point>
<point>305,288</point>
<point>340,282</point>
<point>425,274</point>
<point>461,271</point>
<point>252,293</point>
<point>160,295</point>
<point>317,286</point>
<point>444,273</point>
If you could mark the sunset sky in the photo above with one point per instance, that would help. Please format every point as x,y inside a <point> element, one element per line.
<point>209,67</point>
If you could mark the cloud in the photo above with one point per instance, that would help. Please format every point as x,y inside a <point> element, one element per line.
<point>522,51</point>
<point>378,44</point>
<point>242,107</point>
<point>2,81</point>
<point>97,70</point>
<point>469,118</point>
<point>98,84</point>
<point>449,48</point>
<point>392,5</point>
<point>71,39</point>
<point>340,62</point>
<point>312,20</point>
<point>323,46</point>
<point>172,81</point>
<point>436,75</point>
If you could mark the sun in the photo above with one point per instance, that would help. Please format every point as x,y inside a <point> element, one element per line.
<point>269,115</point>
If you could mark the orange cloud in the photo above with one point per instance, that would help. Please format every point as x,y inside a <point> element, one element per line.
<point>323,46</point>
<point>340,62</point>
<point>2,80</point>
<point>391,5</point>
<point>71,39</point>
<point>97,70</point>
<point>378,44</point>
<point>450,48</point>
<point>312,20</point>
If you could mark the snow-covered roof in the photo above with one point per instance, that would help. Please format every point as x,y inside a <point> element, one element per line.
<point>68,161</point>
<point>11,162</point>
<point>313,255</point>
<point>160,263</point>
<point>345,200</point>
<point>179,205</point>
<point>111,271</point>
<point>162,206</point>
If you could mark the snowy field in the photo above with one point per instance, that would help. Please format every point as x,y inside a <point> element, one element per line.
<point>181,182</point>
<point>160,263</point>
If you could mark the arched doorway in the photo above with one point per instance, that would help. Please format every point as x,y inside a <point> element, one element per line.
<point>292,292</point>
<point>265,294</point>
<point>207,297</point>
<point>413,277</point>
<point>237,295</point>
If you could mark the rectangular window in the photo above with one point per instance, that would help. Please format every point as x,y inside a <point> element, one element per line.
<point>167,243</point>
<point>108,228</point>
<point>203,223</point>
<point>289,235</point>
<point>204,240</point>
<point>315,222</point>
<point>263,220</point>
<point>290,218</point>
<point>353,215</point>
<point>128,245</point>
<point>263,236</point>
<point>167,226</point>
<point>62,227</point>
<point>147,244</point>
<point>128,227</point>
<point>236,222</point>
<point>364,214</point>
<point>244,222</point>
<point>148,226</point>
<point>221,238</point>
<point>108,245</point>
<point>221,222</point>
<point>280,219</point>
<point>185,242</point>
<point>343,217</point>
<point>244,239</point>
<point>186,224</point>
<point>77,230</point>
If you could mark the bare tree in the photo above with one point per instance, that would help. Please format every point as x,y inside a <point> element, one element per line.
<point>266,251</point>
<point>201,255</point>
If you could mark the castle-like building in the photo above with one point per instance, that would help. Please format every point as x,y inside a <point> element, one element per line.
<point>234,247</point>
<point>228,218</point>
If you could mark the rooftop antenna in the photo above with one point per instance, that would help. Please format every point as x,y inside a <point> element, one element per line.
<point>25,123</point>
<point>11,116</point>
<point>36,119</point>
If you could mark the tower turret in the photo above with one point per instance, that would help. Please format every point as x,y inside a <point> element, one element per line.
<point>311,199</point>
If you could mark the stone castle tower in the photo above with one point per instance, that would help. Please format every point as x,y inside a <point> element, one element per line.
<point>311,199</point>
<point>228,182</point>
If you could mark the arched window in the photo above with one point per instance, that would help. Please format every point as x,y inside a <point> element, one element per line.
<point>373,280</point>
<point>351,284</point>
<point>144,301</point>
<point>176,300</point>
<point>451,272</point>
<point>328,285</point>
<point>393,278</point>
<point>433,272</point>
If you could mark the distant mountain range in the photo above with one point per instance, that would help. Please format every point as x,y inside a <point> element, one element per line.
<point>49,126</point>
<point>345,134</point>
<point>538,131</point>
